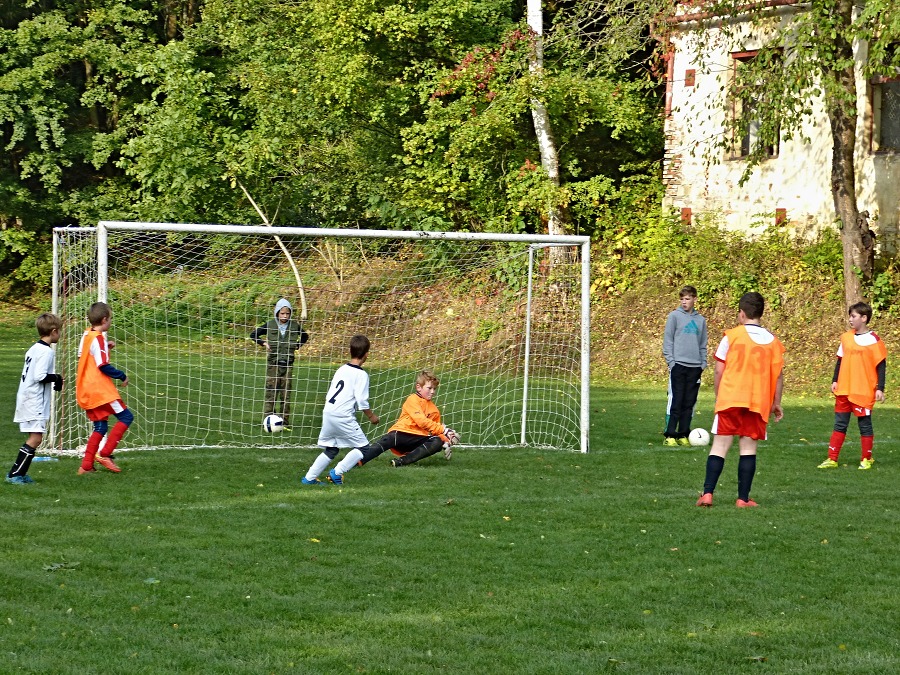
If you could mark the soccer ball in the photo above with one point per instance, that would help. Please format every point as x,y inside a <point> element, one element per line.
<point>699,437</point>
<point>273,424</point>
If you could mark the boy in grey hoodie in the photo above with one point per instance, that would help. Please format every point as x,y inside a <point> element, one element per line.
<point>281,336</point>
<point>684,348</point>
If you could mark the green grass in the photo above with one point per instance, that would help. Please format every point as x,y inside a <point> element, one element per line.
<point>501,561</point>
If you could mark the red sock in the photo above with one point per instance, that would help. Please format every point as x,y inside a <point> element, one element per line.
<point>113,439</point>
<point>90,450</point>
<point>867,442</point>
<point>834,445</point>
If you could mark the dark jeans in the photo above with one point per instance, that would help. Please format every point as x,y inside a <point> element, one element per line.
<point>684,385</point>
<point>278,390</point>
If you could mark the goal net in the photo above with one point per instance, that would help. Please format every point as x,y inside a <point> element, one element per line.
<point>501,320</point>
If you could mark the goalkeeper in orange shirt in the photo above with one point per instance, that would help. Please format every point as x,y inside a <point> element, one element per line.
<point>418,433</point>
<point>857,384</point>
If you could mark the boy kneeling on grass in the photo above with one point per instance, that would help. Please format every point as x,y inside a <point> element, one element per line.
<point>418,433</point>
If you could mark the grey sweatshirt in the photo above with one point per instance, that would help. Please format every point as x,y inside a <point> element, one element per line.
<point>684,340</point>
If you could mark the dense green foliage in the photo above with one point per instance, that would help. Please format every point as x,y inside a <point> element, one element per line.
<point>721,262</point>
<point>360,113</point>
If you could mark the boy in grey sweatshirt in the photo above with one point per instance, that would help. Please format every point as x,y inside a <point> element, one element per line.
<point>684,348</point>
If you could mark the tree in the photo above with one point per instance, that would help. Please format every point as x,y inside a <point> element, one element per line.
<point>352,113</point>
<point>557,213</point>
<point>302,102</point>
<point>809,57</point>
<point>476,158</point>
<point>66,80</point>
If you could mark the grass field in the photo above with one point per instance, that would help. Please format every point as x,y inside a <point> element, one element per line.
<point>500,561</point>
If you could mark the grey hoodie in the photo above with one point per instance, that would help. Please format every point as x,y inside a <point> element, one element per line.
<point>684,340</point>
<point>284,338</point>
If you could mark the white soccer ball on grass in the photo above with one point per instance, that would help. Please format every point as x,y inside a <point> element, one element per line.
<point>698,437</point>
<point>273,424</point>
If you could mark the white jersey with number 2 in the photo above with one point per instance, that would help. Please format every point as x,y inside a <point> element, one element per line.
<point>347,394</point>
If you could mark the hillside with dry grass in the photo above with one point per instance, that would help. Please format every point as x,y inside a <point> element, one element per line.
<point>626,330</point>
<point>626,334</point>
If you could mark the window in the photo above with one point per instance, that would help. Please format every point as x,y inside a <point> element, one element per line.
<point>741,102</point>
<point>885,114</point>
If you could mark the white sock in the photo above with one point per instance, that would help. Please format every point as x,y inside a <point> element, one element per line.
<point>318,466</point>
<point>350,460</point>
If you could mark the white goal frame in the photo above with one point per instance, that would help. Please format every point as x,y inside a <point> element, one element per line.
<point>534,242</point>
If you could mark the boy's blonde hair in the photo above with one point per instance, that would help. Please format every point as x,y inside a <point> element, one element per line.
<point>97,312</point>
<point>46,323</point>
<point>425,377</point>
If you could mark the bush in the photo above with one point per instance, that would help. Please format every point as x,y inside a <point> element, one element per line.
<point>718,261</point>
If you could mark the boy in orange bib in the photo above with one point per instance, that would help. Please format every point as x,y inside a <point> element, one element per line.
<point>857,384</point>
<point>748,384</point>
<point>96,392</point>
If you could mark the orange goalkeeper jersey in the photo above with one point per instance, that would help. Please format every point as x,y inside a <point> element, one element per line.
<point>751,371</point>
<point>419,416</point>
<point>858,374</point>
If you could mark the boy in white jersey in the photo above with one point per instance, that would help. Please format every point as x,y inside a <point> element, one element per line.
<point>348,392</point>
<point>33,397</point>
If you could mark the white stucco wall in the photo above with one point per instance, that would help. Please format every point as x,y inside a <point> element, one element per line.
<point>702,177</point>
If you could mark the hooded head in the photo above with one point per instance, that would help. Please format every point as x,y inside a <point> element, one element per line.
<point>283,304</point>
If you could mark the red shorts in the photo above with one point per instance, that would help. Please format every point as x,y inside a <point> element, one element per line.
<point>740,422</point>
<point>103,412</point>
<point>842,404</point>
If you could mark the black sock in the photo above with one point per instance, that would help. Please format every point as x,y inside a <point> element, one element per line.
<point>23,461</point>
<point>746,472</point>
<point>714,466</point>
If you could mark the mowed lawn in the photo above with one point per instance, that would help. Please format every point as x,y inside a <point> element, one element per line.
<point>499,561</point>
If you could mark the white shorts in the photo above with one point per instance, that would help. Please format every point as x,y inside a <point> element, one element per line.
<point>341,432</point>
<point>33,427</point>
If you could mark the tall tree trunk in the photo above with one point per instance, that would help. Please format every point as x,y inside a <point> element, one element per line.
<point>858,242</point>
<point>557,214</point>
<point>93,113</point>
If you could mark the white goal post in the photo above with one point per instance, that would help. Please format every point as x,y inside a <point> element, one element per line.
<point>500,321</point>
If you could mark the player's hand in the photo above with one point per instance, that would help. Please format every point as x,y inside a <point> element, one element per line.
<point>879,395</point>
<point>125,382</point>
<point>777,411</point>
<point>374,419</point>
<point>833,387</point>
<point>58,383</point>
<point>266,345</point>
<point>110,344</point>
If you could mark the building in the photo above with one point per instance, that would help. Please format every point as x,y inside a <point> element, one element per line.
<point>792,186</point>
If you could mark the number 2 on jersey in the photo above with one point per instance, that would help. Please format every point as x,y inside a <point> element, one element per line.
<point>338,388</point>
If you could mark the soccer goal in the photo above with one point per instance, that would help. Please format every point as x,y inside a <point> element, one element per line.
<point>501,320</point>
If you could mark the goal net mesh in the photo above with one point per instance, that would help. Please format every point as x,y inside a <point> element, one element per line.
<point>185,303</point>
